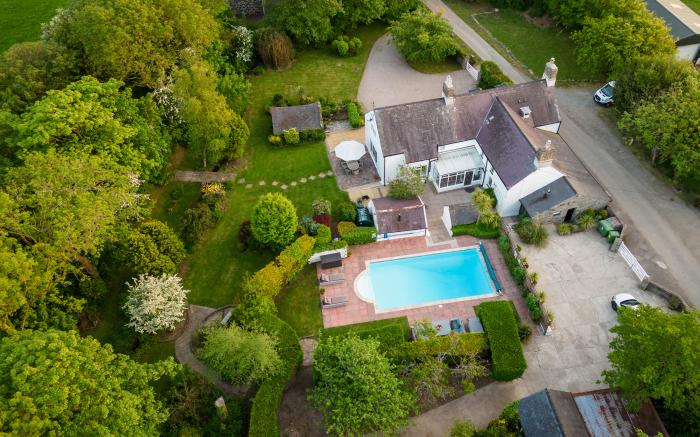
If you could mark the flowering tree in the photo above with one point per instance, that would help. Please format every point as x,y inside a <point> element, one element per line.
<point>155,303</point>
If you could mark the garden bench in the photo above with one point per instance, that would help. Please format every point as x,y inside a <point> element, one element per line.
<point>331,260</point>
<point>332,279</point>
<point>333,302</point>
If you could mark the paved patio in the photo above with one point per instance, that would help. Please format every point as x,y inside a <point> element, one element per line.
<point>434,204</point>
<point>368,176</point>
<point>357,310</point>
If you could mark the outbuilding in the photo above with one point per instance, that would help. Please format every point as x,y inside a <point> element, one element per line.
<point>684,24</point>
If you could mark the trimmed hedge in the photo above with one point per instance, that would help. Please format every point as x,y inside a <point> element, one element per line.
<point>476,230</point>
<point>502,332</point>
<point>466,344</point>
<point>354,116</point>
<point>490,76</point>
<point>360,235</point>
<point>263,413</point>
<point>389,332</point>
<point>270,279</point>
<point>332,245</point>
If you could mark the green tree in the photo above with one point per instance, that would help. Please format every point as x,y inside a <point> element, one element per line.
<point>57,383</point>
<point>396,8</point>
<point>134,41</point>
<point>424,37</point>
<point>241,357</point>
<point>151,248</point>
<point>356,388</point>
<point>654,354</point>
<point>669,127</point>
<point>235,88</point>
<point>408,184</point>
<point>214,131</point>
<point>309,22</point>
<point>606,45</point>
<point>274,221</point>
<point>90,117</point>
<point>359,12</point>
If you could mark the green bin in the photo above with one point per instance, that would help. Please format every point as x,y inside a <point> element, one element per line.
<point>604,227</point>
<point>612,235</point>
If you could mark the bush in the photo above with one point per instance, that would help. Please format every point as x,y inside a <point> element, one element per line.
<point>323,234</point>
<point>490,76</point>
<point>501,329</point>
<point>463,428</point>
<point>586,220</point>
<point>354,116</point>
<point>279,100</point>
<point>457,344</point>
<point>565,229</point>
<point>360,235</point>
<point>308,225</point>
<point>409,183</point>
<point>291,137</point>
<point>274,220</point>
<point>269,280</point>
<point>477,230</point>
<point>341,47</point>
<point>354,45</point>
<point>275,140</point>
<point>389,332</point>
<point>244,235</point>
<point>524,332</point>
<point>601,214</point>
<point>321,207</point>
<point>519,275</point>
<point>332,245</point>
<point>312,135</point>
<point>239,356</point>
<point>195,221</point>
<point>345,227</point>
<point>424,37</point>
<point>274,47</point>
<point>346,212</point>
<point>532,233</point>
<point>533,305</point>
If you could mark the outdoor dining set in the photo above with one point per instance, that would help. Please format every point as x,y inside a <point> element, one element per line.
<point>349,153</point>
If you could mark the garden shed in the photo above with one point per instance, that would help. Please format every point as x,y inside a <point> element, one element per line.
<point>396,218</point>
<point>299,117</point>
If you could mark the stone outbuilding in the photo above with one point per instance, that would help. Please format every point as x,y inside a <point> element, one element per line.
<point>299,117</point>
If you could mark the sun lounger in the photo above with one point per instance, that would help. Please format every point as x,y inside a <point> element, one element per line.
<point>333,302</point>
<point>332,279</point>
<point>456,326</point>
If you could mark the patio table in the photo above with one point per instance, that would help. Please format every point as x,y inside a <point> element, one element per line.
<point>353,165</point>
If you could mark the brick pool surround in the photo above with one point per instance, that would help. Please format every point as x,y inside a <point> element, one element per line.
<point>358,311</point>
<point>432,303</point>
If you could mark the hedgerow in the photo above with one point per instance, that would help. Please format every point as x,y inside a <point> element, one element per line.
<point>502,332</point>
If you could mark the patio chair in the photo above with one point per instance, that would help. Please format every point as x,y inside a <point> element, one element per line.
<point>456,326</point>
<point>332,279</point>
<point>344,166</point>
<point>333,302</point>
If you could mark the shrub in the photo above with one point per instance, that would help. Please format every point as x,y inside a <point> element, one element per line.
<point>275,140</point>
<point>239,356</point>
<point>341,47</point>
<point>506,352</point>
<point>291,137</point>
<point>355,44</point>
<point>457,345</point>
<point>274,47</point>
<point>533,305</point>
<point>244,235</point>
<point>195,221</point>
<point>354,116</point>
<point>463,428</point>
<point>503,243</point>
<point>274,220</point>
<point>332,245</point>
<point>675,303</point>
<point>361,235</point>
<point>152,248</point>
<point>586,220</point>
<point>279,100</point>
<point>565,229</point>
<point>422,36</point>
<point>345,227</point>
<point>346,212</point>
<point>323,219</point>
<point>323,234</point>
<point>312,135</point>
<point>389,332</point>
<point>532,233</point>
<point>477,230</point>
<point>524,332</point>
<point>155,303</point>
<point>308,225</point>
<point>321,207</point>
<point>408,184</point>
<point>519,275</point>
<point>490,76</point>
<point>601,214</point>
<point>269,280</point>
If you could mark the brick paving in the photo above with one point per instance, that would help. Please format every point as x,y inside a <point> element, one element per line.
<point>357,310</point>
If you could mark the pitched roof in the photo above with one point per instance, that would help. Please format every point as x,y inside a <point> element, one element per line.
<point>299,117</point>
<point>551,413</point>
<point>548,196</point>
<point>683,21</point>
<point>605,415</point>
<point>416,129</point>
<point>395,215</point>
<point>507,146</point>
<point>566,161</point>
<point>463,214</point>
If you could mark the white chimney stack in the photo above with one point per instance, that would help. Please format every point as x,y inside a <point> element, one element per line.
<point>550,72</point>
<point>448,91</point>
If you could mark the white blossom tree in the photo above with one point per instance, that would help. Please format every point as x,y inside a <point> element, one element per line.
<point>155,303</point>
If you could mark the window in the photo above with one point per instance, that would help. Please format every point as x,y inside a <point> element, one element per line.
<point>453,179</point>
<point>373,150</point>
<point>556,214</point>
<point>491,170</point>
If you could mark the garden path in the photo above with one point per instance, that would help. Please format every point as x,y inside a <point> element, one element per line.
<point>183,351</point>
<point>210,176</point>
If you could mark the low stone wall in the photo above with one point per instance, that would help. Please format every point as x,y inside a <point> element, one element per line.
<point>659,290</point>
<point>248,8</point>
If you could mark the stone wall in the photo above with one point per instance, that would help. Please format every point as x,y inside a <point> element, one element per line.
<point>248,8</point>
<point>580,202</point>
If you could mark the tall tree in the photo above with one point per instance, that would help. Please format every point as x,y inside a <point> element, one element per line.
<point>90,117</point>
<point>656,355</point>
<point>57,383</point>
<point>356,388</point>
<point>309,22</point>
<point>359,12</point>
<point>274,221</point>
<point>423,37</point>
<point>136,41</point>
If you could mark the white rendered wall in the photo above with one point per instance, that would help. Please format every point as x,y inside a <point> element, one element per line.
<point>372,137</point>
<point>688,52</point>
<point>509,201</point>
<point>391,166</point>
<point>554,127</point>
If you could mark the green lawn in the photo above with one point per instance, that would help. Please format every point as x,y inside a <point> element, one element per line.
<point>528,43</point>
<point>693,4</point>
<point>20,20</point>
<point>299,305</point>
<point>172,200</point>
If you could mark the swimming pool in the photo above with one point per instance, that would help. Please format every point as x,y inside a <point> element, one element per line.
<point>425,279</point>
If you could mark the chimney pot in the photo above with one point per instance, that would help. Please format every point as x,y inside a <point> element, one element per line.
<point>550,72</point>
<point>448,90</point>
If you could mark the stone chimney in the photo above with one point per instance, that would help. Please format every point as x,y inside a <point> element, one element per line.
<point>448,91</point>
<point>545,154</point>
<point>550,72</point>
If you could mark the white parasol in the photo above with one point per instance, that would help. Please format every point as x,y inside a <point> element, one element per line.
<point>350,150</point>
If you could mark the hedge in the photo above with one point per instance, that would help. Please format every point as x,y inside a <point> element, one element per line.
<point>263,413</point>
<point>354,116</point>
<point>476,230</point>
<point>490,76</point>
<point>502,332</point>
<point>270,279</point>
<point>360,235</point>
<point>332,245</point>
<point>389,332</point>
<point>466,344</point>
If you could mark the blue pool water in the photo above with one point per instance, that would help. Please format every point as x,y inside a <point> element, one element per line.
<point>429,278</point>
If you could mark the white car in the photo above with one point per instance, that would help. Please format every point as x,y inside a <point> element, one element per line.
<point>604,95</point>
<point>624,300</point>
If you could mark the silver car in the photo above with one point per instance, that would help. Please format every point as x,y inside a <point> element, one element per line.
<point>604,95</point>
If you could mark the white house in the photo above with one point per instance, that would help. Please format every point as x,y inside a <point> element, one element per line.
<point>684,24</point>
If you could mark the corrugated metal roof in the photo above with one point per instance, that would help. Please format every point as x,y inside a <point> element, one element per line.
<point>604,415</point>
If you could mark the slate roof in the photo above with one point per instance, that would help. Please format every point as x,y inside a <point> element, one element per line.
<point>463,214</point>
<point>551,413</point>
<point>508,148</point>
<point>416,129</point>
<point>683,21</point>
<point>566,161</point>
<point>299,117</point>
<point>548,196</point>
<point>388,211</point>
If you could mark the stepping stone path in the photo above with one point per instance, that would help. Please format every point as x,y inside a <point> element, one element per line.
<point>284,186</point>
<point>311,178</point>
<point>261,183</point>
<point>249,186</point>
<point>241,181</point>
<point>302,180</point>
<point>321,175</point>
<point>275,183</point>
<point>293,183</point>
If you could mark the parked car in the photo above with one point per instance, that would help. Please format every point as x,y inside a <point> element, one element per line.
<point>604,95</point>
<point>624,300</point>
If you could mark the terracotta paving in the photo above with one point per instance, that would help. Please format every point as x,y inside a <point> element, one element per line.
<point>357,310</point>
